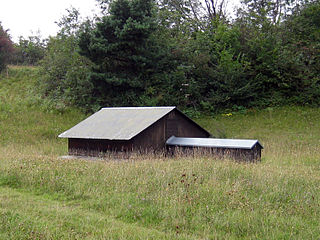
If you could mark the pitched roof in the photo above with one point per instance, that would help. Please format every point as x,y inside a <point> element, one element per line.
<point>212,142</point>
<point>121,123</point>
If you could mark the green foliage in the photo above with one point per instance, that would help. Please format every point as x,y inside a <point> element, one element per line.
<point>281,72</point>
<point>29,51</point>
<point>229,84</point>
<point>127,57</point>
<point>6,48</point>
<point>302,39</point>
<point>212,74</point>
<point>180,17</point>
<point>64,73</point>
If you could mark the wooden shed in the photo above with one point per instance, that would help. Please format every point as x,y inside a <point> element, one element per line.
<point>238,149</point>
<point>130,129</point>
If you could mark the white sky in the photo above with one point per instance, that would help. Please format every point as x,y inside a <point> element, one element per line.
<point>22,17</point>
<point>26,17</point>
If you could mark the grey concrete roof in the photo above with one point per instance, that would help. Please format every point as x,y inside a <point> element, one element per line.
<point>122,123</point>
<point>212,142</point>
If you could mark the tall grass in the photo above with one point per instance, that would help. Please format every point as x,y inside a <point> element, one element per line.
<point>45,197</point>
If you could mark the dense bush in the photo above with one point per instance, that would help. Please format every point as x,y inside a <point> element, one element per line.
<point>64,73</point>
<point>179,53</point>
<point>29,51</point>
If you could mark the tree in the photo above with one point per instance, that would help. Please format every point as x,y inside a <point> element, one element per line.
<point>6,48</point>
<point>29,51</point>
<point>64,73</point>
<point>301,37</point>
<point>190,16</point>
<point>277,39</point>
<point>181,16</point>
<point>126,54</point>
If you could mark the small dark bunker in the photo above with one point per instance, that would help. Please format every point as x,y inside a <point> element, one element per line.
<point>123,129</point>
<point>238,149</point>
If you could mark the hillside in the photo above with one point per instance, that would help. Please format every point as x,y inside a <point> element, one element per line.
<point>45,197</point>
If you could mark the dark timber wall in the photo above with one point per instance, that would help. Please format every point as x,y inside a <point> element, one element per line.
<point>180,126</point>
<point>152,138</point>
<point>91,147</point>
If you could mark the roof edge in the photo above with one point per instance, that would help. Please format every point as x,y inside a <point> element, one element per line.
<point>96,138</point>
<point>185,145</point>
<point>166,107</point>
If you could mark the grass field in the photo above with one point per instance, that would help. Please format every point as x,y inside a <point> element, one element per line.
<point>45,197</point>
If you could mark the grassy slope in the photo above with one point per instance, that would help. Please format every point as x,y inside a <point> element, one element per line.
<point>43,197</point>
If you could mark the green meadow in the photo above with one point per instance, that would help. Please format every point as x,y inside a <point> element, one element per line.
<point>45,197</point>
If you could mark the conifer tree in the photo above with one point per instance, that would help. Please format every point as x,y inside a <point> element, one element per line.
<point>121,46</point>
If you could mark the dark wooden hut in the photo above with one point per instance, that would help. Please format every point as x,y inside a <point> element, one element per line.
<point>126,129</point>
<point>238,149</point>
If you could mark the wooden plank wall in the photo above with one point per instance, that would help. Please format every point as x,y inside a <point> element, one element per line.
<point>180,126</point>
